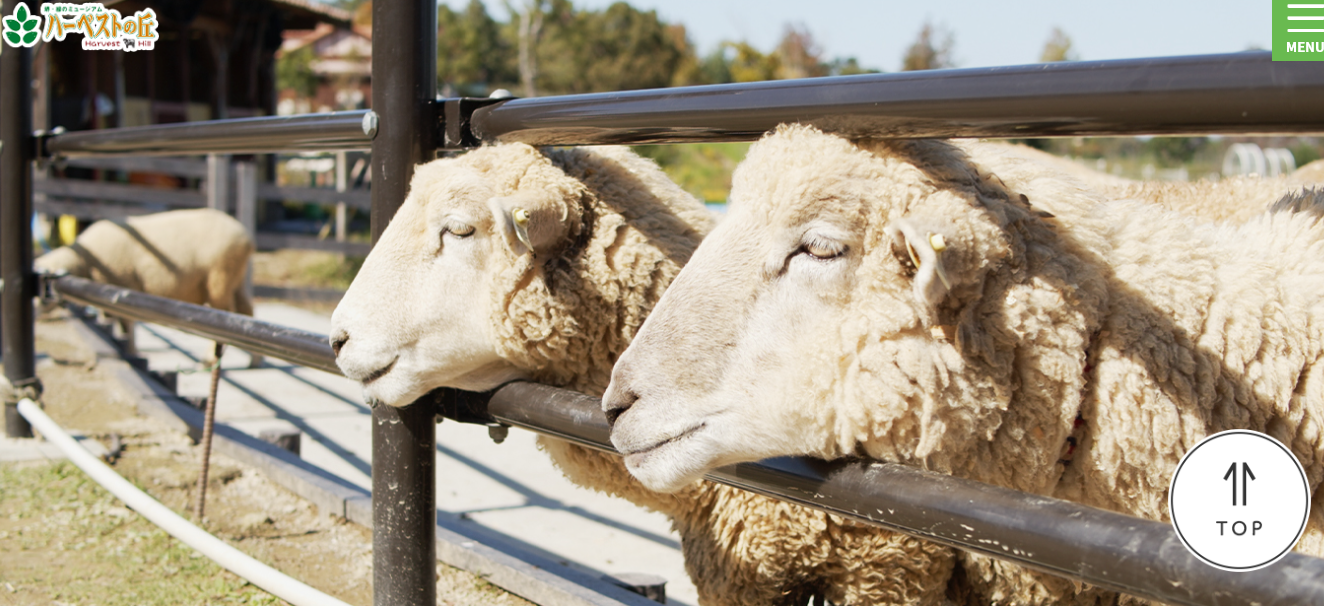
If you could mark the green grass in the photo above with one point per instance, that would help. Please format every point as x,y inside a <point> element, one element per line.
<point>703,169</point>
<point>333,272</point>
<point>64,538</point>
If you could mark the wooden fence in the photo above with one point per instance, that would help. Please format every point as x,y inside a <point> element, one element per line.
<point>217,176</point>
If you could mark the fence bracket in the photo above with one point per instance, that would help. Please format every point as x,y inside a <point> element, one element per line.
<point>454,120</point>
<point>461,406</point>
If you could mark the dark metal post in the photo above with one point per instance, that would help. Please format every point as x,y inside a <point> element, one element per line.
<point>404,518</point>
<point>16,224</point>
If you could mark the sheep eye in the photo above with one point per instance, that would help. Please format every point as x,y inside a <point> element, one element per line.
<point>823,250</point>
<point>459,230</point>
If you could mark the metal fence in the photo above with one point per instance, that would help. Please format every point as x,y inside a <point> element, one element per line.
<point>1237,93</point>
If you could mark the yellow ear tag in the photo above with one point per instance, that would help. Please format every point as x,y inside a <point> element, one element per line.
<point>939,244</point>
<point>521,219</point>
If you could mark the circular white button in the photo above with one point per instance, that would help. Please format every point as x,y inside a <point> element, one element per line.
<point>1239,500</point>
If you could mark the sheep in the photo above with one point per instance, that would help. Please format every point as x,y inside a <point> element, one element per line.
<point>511,262</point>
<point>198,256</point>
<point>1231,199</point>
<point>974,314</point>
<point>1310,174</point>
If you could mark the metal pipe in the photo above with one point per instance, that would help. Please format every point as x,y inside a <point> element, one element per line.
<point>309,132</point>
<point>1135,556</point>
<point>1230,93</point>
<point>17,339</point>
<point>238,562</point>
<point>1111,550</point>
<point>289,344</point>
<point>404,87</point>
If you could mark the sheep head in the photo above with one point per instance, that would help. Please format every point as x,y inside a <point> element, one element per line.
<point>419,314</point>
<point>855,297</point>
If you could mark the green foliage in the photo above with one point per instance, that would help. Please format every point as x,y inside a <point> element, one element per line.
<point>620,48</point>
<point>703,169</point>
<point>1175,151</point>
<point>472,55</point>
<point>294,70</point>
<point>716,67</point>
<point>616,48</point>
<point>848,66</point>
<point>1057,48</point>
<point>750,65</point>
<point>932,49</point>
<point>1305,151</point>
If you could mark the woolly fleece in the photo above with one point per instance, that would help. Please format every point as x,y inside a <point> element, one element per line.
<point>198,256</point>
<point>1153,329</point>
<point>564,317</point>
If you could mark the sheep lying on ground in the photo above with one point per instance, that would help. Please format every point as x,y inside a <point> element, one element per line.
<point>198,256</point>
<point>514,263</point>
<point>983,317</point>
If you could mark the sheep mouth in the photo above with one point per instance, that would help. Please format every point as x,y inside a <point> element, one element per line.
<point>380,372</point>
<point>634,457</point>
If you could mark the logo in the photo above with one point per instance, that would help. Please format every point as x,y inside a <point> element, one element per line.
<point>20,29</point>
<point>1298,31</point>
<point>1239,500</point>
<point>101,28</point>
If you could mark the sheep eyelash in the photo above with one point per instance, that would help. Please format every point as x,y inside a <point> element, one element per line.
<point>459,230</point>
<point>833,249</point>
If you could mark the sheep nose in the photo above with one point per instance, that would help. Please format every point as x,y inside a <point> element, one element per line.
<point>338,341</point>
<point>618,404</point>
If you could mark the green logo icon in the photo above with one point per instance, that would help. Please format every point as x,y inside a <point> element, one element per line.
<point>21,27</point>
<point>1298,31</point>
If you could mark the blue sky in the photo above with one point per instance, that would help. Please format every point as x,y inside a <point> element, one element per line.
<point>986,32</point>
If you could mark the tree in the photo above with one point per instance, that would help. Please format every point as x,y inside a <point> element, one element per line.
<point>749,65</point>
<point>620,48</point>
<point>932,49</point>
<point>1057,48</point>
<point>847,66</point>
<point>294,71</point>
<point>530,33</point>
<point>688,68</point>
<point>715,68</point>
<point>472,56</point>
<point>798,55</point>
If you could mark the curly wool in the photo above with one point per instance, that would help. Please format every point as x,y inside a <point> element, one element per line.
<point>568,317</point>
<point>1153,329</point>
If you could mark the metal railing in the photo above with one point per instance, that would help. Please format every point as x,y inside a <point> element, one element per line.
<point>1111,550</point>
<point>1237,93</point>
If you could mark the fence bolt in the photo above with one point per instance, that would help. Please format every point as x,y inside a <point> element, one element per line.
<point>370,124</point>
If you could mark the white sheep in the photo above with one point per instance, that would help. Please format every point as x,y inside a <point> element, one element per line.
<point>1232,199</point>
<point>982,316</point>
<point>511,262</point>
<point>198,256</point>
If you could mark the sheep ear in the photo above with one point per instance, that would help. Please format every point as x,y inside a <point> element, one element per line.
<point>925,248</point>
<point>529,223</point>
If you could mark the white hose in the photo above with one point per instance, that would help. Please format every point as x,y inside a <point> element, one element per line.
<point>232,559</point>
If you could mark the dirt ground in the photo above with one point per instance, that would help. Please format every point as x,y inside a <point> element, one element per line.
<point>66,541</point>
